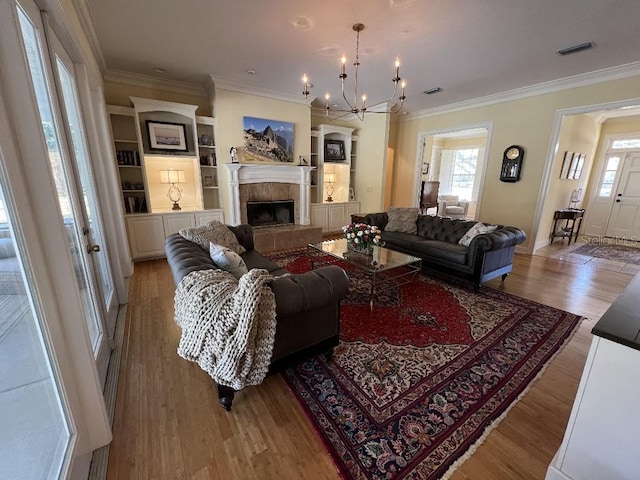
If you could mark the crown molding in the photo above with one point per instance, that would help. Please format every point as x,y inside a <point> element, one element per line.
<point>598,76</point>
<point>147,81</point>
<point>235,86</point>
<point>86,23</point>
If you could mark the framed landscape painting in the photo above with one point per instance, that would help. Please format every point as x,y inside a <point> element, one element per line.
<point>268,140</point>
<point>167,136</point>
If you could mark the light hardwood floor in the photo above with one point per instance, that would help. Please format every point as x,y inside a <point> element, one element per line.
<point>169,425</point>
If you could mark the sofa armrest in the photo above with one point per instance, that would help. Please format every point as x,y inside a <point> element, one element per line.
<point>244,234</point>
<point>378,219</point>
<point>310,290</point>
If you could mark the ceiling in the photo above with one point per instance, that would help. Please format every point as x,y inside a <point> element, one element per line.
<point>468,48</point>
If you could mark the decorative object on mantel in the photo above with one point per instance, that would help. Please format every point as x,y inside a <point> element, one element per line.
<point>175,193</point>
<point>268,140</point>
<point>233,153</point>
<point>359,111</point>
<point>301,161</point>
<point>362,237</point>
<point>512,163</point>
<point>329,180</point>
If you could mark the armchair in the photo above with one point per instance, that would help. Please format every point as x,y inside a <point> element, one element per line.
<point>451,206</point>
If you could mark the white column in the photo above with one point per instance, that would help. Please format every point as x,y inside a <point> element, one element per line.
<point>305,194</point>
<point>234,192</point>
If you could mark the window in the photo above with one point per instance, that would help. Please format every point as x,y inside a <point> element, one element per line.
<point>463,172</point>
<point>606,187</point>
<point>626,143</point>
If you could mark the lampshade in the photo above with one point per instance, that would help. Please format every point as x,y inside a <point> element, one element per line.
<point>172,176</point>
<point>329,178</point>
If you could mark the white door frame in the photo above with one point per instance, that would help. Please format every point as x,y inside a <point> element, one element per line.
<point>420,156</point>
<point>553,148</point>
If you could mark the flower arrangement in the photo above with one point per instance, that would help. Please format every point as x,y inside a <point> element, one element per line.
<point>361,236</point>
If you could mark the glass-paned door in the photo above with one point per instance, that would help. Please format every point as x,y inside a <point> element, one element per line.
<point>72,208</point>
<point>35,436</point>
<point>94,233</point>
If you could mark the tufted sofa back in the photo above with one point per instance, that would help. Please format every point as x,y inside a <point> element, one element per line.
<point>442,228</point>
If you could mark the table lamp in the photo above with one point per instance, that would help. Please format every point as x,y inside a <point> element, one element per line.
<point>175,193</point>
<point>329,180</point>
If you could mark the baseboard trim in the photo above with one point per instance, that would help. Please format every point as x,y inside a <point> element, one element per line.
<point>98,470</point>
<point>554,474</point>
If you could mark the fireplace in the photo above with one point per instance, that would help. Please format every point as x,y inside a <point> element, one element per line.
<point>266,214</point>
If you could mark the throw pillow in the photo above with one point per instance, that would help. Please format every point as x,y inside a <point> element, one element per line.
<point>474,231</point>
<point>215,232</point>
<point>402,220</point>
<point>227,260</point>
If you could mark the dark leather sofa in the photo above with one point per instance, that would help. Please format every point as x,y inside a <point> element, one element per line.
<point>488,255</point>
<point>307,305</point>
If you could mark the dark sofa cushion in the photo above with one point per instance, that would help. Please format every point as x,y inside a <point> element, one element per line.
<point>449,252</point>
<point>400,239</point>
<point>442,228</point>
<point>254,259</point>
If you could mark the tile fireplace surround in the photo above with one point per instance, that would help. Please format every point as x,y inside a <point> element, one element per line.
<point>251,182</point>
<point>269,182</point>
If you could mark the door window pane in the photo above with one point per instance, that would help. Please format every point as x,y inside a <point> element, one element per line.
<point>34,430</point>
<point>94,236</point>
<point>609,176</point>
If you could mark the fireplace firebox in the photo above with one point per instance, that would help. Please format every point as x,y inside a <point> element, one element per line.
<point>266,214</point>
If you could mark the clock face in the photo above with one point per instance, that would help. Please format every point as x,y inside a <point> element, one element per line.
<point>513,153</point>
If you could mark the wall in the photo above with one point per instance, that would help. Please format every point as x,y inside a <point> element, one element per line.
<point>371,169</point>
<point>231,107</point>
<point>527,122</point>
<point>579,134</point>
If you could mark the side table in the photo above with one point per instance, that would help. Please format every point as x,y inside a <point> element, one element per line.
<point>569,229</point>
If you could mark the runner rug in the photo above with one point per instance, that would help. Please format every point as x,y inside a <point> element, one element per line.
<point>619,253</point>
<point>415,383</point>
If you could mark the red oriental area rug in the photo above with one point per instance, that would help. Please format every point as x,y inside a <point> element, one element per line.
<point>415,383</point>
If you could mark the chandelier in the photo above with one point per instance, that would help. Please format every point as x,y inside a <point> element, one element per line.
<point>354,108</point>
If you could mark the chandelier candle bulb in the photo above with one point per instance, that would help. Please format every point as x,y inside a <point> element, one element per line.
<point>397,77</point>
<point>343,73</point>
<point>364,99</point>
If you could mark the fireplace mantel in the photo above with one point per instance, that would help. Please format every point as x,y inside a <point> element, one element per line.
<point>241,173</point>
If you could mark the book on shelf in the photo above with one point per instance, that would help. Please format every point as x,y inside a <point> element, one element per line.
<point>133,204</point>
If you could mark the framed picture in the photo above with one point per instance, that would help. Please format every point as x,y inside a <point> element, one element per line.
<point>207,181</point>
<point>167,136</point>
<point>579,164</point>
<point>566,165</point>
<point>333,150</point>
<point>268,140</point>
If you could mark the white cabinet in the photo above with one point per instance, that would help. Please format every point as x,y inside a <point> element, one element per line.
<point>333,216</point>
<point>176,222</point>
<point>147,233</point>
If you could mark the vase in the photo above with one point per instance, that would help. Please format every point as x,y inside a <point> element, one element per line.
<point>363,250</point>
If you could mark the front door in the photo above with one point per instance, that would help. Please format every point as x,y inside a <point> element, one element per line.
<point>624,221</point>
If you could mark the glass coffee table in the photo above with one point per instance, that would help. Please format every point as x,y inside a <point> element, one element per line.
<point>385,268</point>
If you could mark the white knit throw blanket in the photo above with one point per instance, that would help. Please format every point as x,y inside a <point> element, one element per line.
<point>228,326</point>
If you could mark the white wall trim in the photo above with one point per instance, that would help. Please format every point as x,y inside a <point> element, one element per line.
<point>235,86</point>
<point>86,23</point>
<point>599,76</point>
<point>148,81</point>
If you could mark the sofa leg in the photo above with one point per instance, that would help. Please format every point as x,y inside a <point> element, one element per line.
<point>225,394</point>
<point>504,276</point>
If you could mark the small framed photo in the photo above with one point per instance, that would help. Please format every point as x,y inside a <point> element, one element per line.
<point>333,150</point>
<point>167,136</point>
<point>579,164</point>
<point>566,165</point>
<point>208,181</point>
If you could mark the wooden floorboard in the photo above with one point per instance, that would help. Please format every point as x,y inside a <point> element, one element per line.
<point>169,425</point>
